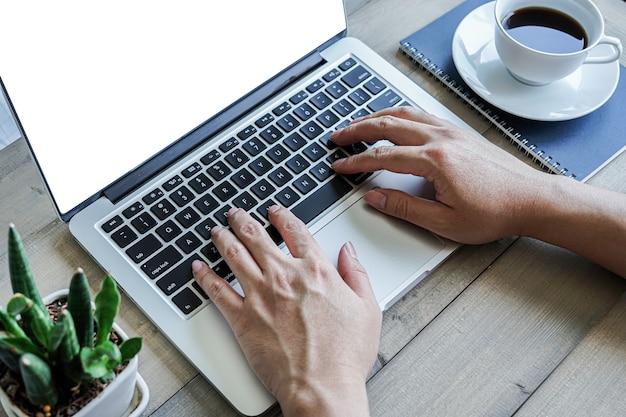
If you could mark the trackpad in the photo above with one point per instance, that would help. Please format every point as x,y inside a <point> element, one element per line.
<point>391,250</point>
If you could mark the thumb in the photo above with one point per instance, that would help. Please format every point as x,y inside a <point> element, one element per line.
<point>353,272</point>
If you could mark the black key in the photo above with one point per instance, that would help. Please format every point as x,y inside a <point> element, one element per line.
<point>163,209</point>
<point>358,178</point>
<point>311,130</point>
<point>228,144</point>
<point>211,252</point>
<point>224,191</point>
<point>331,75</point>
<point>347,64</point>
<point>143,222</point>
<point>222,215</point>
<point>191,170</point>
<point>177,277</point>
<point>210,157</point>
<point>328,118</point>
<point>321,199</point>
<point>254,146</point>
<point>360,113</point>
<point>281,108</point>
<point>314,86</point>
<point>204,228</point>
<point>153,196</point>
<point>288,123</point>
<point>112,223</point>
<point>245,201</point>
<point>161,262</point>
<point>188,242</point>
<point>243,178</point>
<point>375,86</point>
<point>314,152</point>
<point>298,164</point>
<point>200,183</point>
<point>327,142</point>
<point>336,155</point>
<point>336,89</point>
<point>206,204</point>
<point>236,158</point>
<point>144,248</point>
<point>344,107</point>
<point>298,97</point>
<point>222,270</point>
<point>199,290</point>
<point>304,111</point>
<point>172,183</point>
<point>260,165</point>
<point>188,217</point>
<point>304,184</point>
<point>287,197</point>
<point>247,132</point>
<point>321,100</point>
<point>280,176</point>
<point>356,76</point>
<point>187,301</point>
<point>263,208</point>
<point>388,99</point>
<point>263,189</point>
<point>359,96</point>
<point>168,230</point>
<point>182,196</point>
<point>124,236</point>
<point>264,120</point>
<point>274,234</point>
<point>278,153</point>
<point>218,170</point>
<point>321,171</point>
<point>133,210</point>
<point>271,134</point>
<point>295,141</point>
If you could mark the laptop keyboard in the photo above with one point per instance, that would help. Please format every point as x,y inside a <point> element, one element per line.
<point>282,157</point>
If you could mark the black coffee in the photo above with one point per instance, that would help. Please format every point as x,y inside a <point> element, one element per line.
<point>546,30</point>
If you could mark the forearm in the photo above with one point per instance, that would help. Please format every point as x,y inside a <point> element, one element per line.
<point>584,219</point>
<point>324,400</point>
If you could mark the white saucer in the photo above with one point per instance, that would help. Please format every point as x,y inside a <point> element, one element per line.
<point>477,61</point>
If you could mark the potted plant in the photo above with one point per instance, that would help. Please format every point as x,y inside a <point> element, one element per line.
<point>65,355</point>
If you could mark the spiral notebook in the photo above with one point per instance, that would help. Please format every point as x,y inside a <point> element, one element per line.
<point>575,148</point>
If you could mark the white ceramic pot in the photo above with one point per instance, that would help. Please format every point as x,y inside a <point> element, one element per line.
<point>114,401</point>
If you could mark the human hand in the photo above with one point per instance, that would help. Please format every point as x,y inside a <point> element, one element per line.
<point>309,330</point>
<point>481,191</point>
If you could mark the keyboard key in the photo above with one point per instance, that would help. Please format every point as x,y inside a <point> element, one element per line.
<point>206,204</point>
<point>163,209</point>
<point>210,157</point>
<point>278,153</point>
<point>191,170</point>
<point>298,164</point>
<point>298,97</point>
<point>360,113</point>
<point>222,215</point>
<point>325,139</point>
<point>254,146</point>
<point>188,217</point>
<point>336,89</point>
<point>124,236</point>
<point>375,86</point>
<point>200,183</point>
<point>224,191</point>
<point>161,262</point>
<point>344,107</point>
<point>236,158</point>
<point>314,152</point>
<point>359,96</point>
<point>271,134</point>
<point>247,132</point>
<point>199,290</point>
<point>222,270</point>
<point>133,210</point>
<point>188,243</point>
<point>245,201</point>
<point>336,155</point>
<point>388,99</point>
<point>204,228</point>
<point>264,120</point>
<point>304,184</point>
<point>262,189</point>
<point>281,109</point>
<point>321,199</point>
<point>321,171</point>
<point>347,64</point>
<point>153,196</point>
<point>112,224</point>
<point>177,277</point>
<point>172,183</point>
<point>295,141</point>
<point>331,75</point>
<point>144,248</point>
<point>314,86</point>
<point>187,301</point>
<point>260,165</point>
<point>288,123</point>
<point>287,197</point>
<point>311,130</point>
<point>304,111</point>
<point>182,196</point>
<point>219,170</point>
<point>229,144</point>
<point>280,176</point>
<point>321,100</point>
<point>356,76</point>
<point>143,222</point>
<point>243,178</point>
<point>264,207</point>
<point>211,252</point>
<point>168,230</point>
<point>328,118</point>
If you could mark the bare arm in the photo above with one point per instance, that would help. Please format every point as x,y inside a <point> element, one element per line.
<point>482,192</point>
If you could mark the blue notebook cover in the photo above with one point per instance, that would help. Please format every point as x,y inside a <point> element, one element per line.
<point>575,148</point>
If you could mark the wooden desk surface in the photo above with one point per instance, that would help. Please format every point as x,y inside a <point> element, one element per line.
<point>511,327</point>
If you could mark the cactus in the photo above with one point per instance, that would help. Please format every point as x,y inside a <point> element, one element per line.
<point>52,358</point>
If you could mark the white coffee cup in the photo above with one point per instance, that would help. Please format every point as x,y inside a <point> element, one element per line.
<point>537,67</point>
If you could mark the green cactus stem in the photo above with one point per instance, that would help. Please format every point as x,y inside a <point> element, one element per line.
<point>79,305</point>
<point>10,325</point>
<point>22,280</point>
<point>107,303</point>
<point>38,380</point>
<point>130,347</point>
<point>37,322</point>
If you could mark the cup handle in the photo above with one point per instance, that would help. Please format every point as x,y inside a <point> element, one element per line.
<point>617,51</point>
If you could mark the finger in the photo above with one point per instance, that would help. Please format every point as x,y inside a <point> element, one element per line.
<point>227,300</point>
<point>353,273</point>
<point>400,159</point>
<point>296,235</point>
<point>429,214</point>
<point>407,113</point>
<point>255,238</point>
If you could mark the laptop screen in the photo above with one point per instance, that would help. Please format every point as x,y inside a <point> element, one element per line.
<point>100,87</point>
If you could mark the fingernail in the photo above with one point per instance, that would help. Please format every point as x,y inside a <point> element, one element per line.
<point>351,250</point>
<point>196,266</point>
<point>273,209</point>
<point>216,229</point>
<point>376,199</point>
<point>338,163</point>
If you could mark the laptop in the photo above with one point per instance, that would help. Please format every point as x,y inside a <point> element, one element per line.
<point>148,120</point>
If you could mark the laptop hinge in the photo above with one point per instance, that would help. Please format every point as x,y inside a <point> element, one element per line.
<point>134,179</point>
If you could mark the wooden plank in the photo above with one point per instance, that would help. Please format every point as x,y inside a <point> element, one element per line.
<point>490,349</point>
<point>592,379</point>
